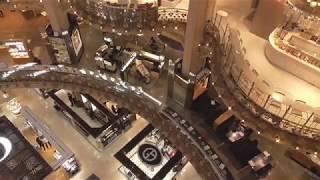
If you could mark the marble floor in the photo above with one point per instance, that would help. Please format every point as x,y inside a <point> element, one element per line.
<point>103,164</point>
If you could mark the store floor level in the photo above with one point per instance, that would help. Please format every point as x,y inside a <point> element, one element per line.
<point>103,164</point>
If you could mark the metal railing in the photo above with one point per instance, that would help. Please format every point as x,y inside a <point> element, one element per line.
<point>133,98</point>
<point>259,96</point>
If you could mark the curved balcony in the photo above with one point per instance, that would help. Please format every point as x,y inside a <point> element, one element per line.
<point>21,5</point>
<point>179,132</point>
<point>114,17</point>
<point>123,18</point>
<point>117,16</point>
<point>265,102</point>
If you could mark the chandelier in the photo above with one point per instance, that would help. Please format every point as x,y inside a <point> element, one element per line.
<point>313,3</point>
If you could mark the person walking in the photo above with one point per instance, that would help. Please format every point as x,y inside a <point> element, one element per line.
<point>70,97</point>
<point>40,143</point>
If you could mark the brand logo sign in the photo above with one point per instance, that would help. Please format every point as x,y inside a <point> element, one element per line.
<point>5,142</point>
<point>149,154</point>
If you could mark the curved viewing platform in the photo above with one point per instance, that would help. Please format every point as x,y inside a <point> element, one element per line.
<point>255,83</point>
<point>295,54</point>
<point>126,18</point>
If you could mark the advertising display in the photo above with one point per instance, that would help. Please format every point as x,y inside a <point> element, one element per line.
<point>67,45</point>
<point>76,41</point>
<point>17,49</point>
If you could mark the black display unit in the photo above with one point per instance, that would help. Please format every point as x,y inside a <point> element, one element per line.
<point>113,125</point>
<point>121,156</point>
<point>67,46</point>
<point>23,161</point>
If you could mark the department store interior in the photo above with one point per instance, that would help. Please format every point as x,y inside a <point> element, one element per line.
<point>159,89</point>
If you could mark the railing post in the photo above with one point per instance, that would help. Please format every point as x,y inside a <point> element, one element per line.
<point>219,22</point>
<point>252,86</point>
<point>265,104</point>
<point>228,42</point>
<point>215,18</point>
<point>232,62</point>
<point>224,34</point>
<point>304,125</point>
<point>229,51</point>
<point>171,77</point>
<point>285,113</point>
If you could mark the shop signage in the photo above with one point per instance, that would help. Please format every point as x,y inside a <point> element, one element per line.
<point>150,154</point>
<point>76,41</point>
<point>5,148</point>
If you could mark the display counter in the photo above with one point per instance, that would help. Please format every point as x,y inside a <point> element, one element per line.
<point>99,125</point>
<point>150,156</point>
<point>295,53</point>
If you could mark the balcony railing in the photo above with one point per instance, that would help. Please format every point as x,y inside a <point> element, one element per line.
<point>126,18</point>
<point>260,97</point>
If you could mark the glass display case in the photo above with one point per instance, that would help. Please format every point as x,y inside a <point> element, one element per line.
<point>14,106</point>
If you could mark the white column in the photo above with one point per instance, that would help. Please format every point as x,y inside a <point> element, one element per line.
<point>199,12</point>
<point>58,18</point>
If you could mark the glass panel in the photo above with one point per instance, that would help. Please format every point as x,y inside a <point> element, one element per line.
<point>245,84</point>
<point>258,96</point>
<point>275,107</point>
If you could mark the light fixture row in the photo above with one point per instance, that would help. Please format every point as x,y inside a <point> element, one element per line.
<point>313,3</point>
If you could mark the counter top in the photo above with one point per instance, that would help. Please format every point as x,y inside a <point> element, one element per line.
<point>281,45</point>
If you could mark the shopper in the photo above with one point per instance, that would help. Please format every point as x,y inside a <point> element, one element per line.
<point>70,97</point>
<point>91,113</point>
<point>114,109</point>
<point>40,143</point>
<point>45,142</point>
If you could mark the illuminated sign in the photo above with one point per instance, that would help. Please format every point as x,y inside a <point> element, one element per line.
<point>17,49</point>
<point>76,41</point>
<point>5,142</point>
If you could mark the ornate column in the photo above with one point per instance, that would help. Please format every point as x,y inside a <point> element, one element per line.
<point>199,12</point>
<point>58,18</point>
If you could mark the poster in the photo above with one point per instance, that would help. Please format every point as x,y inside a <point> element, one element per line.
<point>76,41</point>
